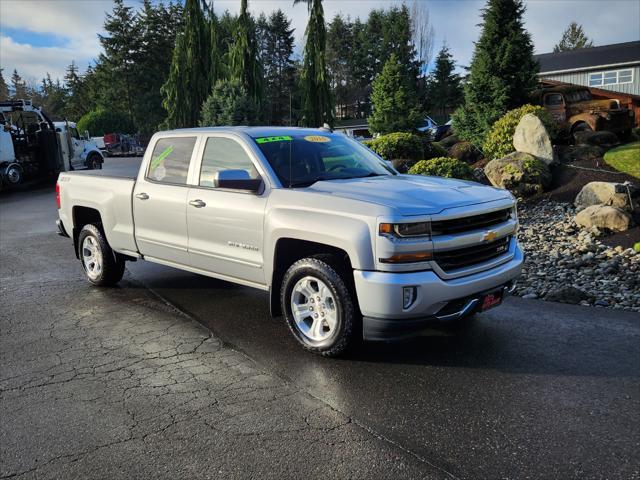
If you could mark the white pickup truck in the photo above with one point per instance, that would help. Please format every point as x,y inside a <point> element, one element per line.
<point>347,247</point>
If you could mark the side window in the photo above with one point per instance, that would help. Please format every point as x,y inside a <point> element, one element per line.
<point>553,99</point>
<point>170,160</point>
<point>74,133</point>
<point>224,154</point>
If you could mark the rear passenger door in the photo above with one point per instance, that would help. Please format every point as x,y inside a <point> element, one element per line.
<point>160,201</point>
<point>226,225</point>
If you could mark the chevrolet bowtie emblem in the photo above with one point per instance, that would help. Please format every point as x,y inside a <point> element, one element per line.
<point>489,236</point>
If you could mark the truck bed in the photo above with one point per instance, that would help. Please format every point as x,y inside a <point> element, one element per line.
<point>124,170</point>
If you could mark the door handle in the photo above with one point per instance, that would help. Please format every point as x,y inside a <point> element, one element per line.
<point>197,203</point>
<point>142,196</point>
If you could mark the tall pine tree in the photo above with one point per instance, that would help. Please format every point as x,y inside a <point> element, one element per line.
<point>276,49</point>
<point>317,107</point>
<point>573,38</point>
<point>502,72</point>
<point>19,86</point>
<point>244,65</point>
<point>188,84</point>
<point>443,90</point>
<point>394,95</point>
<point>4,88</point>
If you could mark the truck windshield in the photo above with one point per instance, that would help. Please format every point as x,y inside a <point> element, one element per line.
<point>302,160</point>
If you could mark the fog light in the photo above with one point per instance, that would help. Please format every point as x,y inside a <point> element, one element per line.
<point>409,295</point>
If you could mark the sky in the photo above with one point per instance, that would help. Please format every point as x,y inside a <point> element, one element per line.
<point>40,36</point>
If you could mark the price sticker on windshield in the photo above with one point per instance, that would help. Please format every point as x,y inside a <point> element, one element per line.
<point>317,139</point>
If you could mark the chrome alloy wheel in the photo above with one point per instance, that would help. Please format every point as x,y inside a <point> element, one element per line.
<point>314,309</point>
<point>92,257</point>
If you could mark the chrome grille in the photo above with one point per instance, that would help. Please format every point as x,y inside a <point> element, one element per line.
<point>464,257</point>
<point>465,224</point>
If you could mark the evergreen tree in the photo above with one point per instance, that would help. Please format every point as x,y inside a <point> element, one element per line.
<point>19,86</point>
<point>502,71</point>
<point>54,97</point>
<point>243,56</point>
<point>314,81</point>
<point>75,105</point>
<point>443,89</point>
<point>573,38</point>
<point>276,49</point>
<point>158,24</point>
<point>118,63</point>
<point>4,88</point>
<point>188,84</point>
<point>394,95</point>
<point>339,45</point>
<point>228,104</point>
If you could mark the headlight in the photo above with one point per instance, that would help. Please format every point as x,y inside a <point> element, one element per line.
<point>405,230</point>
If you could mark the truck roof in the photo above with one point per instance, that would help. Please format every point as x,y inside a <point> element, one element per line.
<point>253,132</point>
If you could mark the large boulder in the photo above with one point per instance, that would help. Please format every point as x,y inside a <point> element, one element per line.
<point>604,217</point>
<point>602,139</point>
<point>531,137</point>
<point>574,153</point>
<point>605,193</point>
<point>465,151</point>
<point>521,173</point>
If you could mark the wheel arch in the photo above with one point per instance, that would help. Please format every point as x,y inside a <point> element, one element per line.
<point>82,216</point>
<point>289,250</point>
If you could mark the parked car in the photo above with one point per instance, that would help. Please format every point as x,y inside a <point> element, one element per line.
<point>346,246</point>
<point>438,132</point>
<point>575,110</point>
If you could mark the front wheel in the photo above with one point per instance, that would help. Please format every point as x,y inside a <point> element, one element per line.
<point>319,307</point>
<point>99,262</point>
<point>94,162</point>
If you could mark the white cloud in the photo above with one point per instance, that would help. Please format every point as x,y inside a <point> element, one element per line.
<point>74,23</point>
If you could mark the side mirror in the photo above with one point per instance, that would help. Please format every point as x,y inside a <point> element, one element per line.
<point>237,180</point>
<point>86,135</point>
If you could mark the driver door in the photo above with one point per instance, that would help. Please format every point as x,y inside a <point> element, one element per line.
<point>226,225</point>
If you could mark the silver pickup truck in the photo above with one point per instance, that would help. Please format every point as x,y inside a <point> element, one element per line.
<point>347,248</point>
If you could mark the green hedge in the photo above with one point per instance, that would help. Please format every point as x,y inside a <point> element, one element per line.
<point>443,167</point>
<point>499,140</point>
<point>101,122</point>
<point>397,145</point>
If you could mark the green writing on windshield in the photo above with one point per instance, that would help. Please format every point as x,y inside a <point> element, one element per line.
<point>283,138</point>
<point>158,160</point>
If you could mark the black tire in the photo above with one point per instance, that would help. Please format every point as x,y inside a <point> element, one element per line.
<point>13,175</point>
<point>94,162</point>
<point>348,327</point>
<point>112,268</point>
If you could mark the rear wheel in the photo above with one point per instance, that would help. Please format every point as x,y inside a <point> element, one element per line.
<point>13,174</point>
<point>99,262</point>
<point>319,306</point>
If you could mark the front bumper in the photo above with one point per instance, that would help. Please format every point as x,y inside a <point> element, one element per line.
<point>380,297</point>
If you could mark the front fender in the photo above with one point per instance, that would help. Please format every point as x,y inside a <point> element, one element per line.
<point>349,233</point>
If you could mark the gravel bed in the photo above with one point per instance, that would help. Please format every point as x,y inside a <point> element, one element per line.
<point>568,264</point>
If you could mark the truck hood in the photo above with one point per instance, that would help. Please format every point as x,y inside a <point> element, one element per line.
<point>411,194</point>
<point>604,105</point>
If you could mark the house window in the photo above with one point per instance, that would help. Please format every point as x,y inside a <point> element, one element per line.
<point>614,77</point>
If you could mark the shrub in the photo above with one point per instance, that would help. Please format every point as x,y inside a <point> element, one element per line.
<point>443,167</point>
<point>101,122</point>
<point>499,140</point>
<point>398,146</point>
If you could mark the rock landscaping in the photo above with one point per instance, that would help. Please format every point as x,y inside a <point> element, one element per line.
<point>569,264</point>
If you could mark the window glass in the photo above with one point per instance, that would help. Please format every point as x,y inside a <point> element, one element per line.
<point>170,160</point>
<point>610,78</point>
<point>224,154</point>
<point>74,133</point>
<point>553,99</point>
<point>595,79</point>
<point>301,160</point>
<point>625,76</point>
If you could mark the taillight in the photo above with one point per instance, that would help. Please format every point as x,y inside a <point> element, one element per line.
<point>58,195</point>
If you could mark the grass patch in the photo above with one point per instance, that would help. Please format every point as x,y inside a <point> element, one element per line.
<point>625,158</point>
